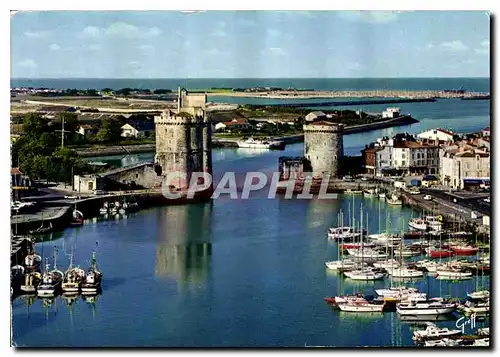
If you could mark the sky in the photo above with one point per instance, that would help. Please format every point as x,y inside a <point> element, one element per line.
<point>250,44</point>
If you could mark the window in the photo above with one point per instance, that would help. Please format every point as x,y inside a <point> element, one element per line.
<point>403,163</point>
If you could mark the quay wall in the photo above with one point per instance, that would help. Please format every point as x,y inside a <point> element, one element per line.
<point>115,150</point>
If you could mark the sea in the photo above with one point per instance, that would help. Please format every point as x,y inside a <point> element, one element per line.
<point>234,272</point>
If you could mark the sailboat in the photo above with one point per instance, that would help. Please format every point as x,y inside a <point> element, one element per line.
<point>92,283</point>
<point>403,271</point>
<point>364,274</point>
<point>32,261</point>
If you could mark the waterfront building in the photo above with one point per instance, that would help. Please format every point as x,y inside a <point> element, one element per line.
<point>235,124</point>
<point>184,138</point>
<point>439,134</point>
<point>88,183</point>
<point>316,115</point>
<point>370,159</point>
<point>461,167</point>
<point>323,147</point>
<point>391,113</point>
<point>486,131</point>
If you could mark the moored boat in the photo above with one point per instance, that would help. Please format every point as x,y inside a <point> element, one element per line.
<point>353,306</point>
<point>364,275</point>
<point>51,281</point>
<point>31,282</point>
<point>479,295</point>
<point>432,332</point>
<point>425,308</point>
<point>73,279</point>
<point>92,282</point>
<point>464,250</point>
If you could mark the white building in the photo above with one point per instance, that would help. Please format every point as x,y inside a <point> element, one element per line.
<point>312,116</point>
<point>437,134</point>
<point>391,113</point>
<point>416,157</point>
<point>129,131</point>
<point>461,165</point>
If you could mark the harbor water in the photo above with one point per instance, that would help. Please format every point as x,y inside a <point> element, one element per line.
<point>232,273</point>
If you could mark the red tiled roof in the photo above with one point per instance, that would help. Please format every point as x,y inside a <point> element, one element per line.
<point>235,122</point>
<point>15,171</point>
<point>445,131</point>
<point>486,129</point>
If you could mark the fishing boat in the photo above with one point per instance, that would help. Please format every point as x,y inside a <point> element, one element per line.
<point>432,332</point>
<point>394,200</point>
<point>92,282</point>
<point>51,281</point>
<point>73,278</point>
<point>425,308</point>
<point>104,209</point>
<point>433,222</point>
<point>32,261</point>
<point>479,295</point>
<point>31,282</point>
<point>352,306</point>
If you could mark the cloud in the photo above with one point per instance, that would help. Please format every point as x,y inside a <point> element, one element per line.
<point>372,17</point>
<point>91,31</point>
<point>121,29</point>
<point>54,47</point>
<point>28,63</point>
<point>219,33</point>
<point>36,34</point>
<point>455,46</point>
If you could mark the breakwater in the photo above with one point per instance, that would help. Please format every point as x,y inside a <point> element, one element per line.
<point>348,103</point>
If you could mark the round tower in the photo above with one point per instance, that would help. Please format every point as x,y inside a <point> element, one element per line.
<point>323,147</point>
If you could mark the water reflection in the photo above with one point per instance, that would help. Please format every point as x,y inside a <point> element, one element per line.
<point>184,246</point>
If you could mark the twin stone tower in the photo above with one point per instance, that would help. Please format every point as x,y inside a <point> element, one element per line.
<point>184,141</point>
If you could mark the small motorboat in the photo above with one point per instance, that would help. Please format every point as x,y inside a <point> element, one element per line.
<point>432,332</point>
<point>405,273</point>
<point>370,192</point>
<point>479,295</point>
<point>453,274</point>
<point>381,195</point>
<point>418,224</point>
<point>354,306</point>
<point>349,298</point>
<point>394,200</point>
<point>425,308</point>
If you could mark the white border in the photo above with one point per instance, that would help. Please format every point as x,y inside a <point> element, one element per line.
<point>185,5</point>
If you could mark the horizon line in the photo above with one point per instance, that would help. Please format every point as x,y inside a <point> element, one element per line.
<point>197,78</point>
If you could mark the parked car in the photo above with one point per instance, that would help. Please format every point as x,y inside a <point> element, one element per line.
<point>100,192</point>
<point>428,197</point>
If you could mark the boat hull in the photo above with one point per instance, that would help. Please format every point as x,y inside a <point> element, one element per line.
<point>425,312</point>
<point>361,307</point>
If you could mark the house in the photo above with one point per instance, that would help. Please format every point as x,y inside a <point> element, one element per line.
<point>462,168</point>
<point>85,129</point>
<point>138,128</point>
<point>88,183</point>
<point>416,157</point>
<point>437,134</point>
<point>129,131</point>
<point>390,113</point>
<point>316,115</point>
<point>235,124</point>
<point>370,159</point>
<point>486,131</point>
<point>484,143</point>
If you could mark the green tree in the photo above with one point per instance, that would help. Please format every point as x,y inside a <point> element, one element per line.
<point>110,131</point>
<point>34,125</point>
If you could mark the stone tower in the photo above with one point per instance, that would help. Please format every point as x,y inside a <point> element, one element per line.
<point>323,147</point>
<point>184,138</point>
